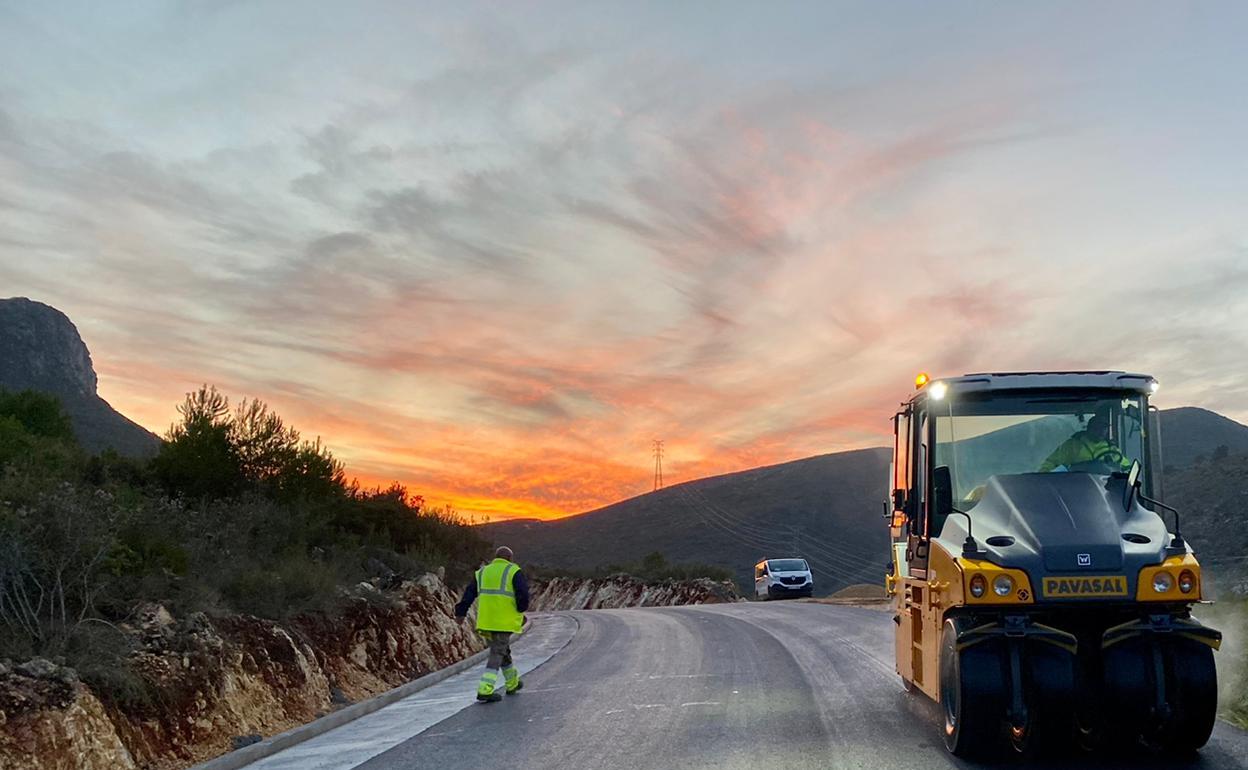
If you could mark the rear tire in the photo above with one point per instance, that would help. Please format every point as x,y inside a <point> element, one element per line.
<point>970,696</point>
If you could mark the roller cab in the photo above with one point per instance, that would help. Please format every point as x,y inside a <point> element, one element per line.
<point>1042,590</point>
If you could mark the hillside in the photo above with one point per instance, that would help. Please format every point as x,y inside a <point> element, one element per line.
<point>1189,433</point>
<point>41,350</point>
<point>1212,496</point>
<point>828,509</point>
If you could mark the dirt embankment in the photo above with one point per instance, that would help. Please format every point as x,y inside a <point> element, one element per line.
<point>217,683</point>
<point>627,591</point>
<point>214,684</point>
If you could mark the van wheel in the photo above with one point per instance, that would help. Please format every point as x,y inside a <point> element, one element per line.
<point>970,696</point>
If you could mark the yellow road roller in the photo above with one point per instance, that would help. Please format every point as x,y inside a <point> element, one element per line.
<point>1042,592</point>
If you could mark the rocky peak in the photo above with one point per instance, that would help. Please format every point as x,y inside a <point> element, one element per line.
<point>40,349</point>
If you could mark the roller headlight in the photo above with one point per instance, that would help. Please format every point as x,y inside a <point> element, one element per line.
<point>1187,581</point>
<point>978,586</point>
<point>1162,582</point>
<point>1003,585</point>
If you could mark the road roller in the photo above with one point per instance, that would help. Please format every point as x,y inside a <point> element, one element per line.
<point>1043,592</point>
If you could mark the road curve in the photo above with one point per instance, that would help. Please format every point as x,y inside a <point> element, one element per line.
<point>780,685</point>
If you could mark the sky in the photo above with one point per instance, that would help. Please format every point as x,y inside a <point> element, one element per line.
<point>495,250</point>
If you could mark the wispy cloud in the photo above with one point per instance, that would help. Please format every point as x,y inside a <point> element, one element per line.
<point>495,266</point>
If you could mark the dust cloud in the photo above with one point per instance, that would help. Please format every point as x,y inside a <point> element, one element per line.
<point>1229,614</point>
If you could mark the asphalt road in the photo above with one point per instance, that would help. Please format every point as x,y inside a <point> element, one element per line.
<point>777,686</point>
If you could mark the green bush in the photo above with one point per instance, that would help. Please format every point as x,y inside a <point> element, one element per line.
<point>39,414</point>
<point>100,653</point>
<point>237,513</point>
<point>293,585</point>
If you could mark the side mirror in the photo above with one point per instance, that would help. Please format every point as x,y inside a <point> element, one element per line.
<point>1133,485</point>
<point>942,491</point>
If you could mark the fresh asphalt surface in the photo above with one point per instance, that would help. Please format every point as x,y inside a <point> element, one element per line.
<point>776,686</point>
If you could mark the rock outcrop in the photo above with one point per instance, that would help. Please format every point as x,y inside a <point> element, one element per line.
<point>627,591</point>
<point>41,350</point>
<point>216,683</point>
<point>50,721</point>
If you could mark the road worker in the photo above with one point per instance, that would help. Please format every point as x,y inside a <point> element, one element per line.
<point>502,596</point>
<point>1091,445</point>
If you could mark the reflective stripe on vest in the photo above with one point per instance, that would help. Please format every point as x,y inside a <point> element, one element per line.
<point>502,589</point>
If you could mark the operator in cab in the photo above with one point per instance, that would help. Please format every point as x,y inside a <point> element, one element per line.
<point>1090,445</point>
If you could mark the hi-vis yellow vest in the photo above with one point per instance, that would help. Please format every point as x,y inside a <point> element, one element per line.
<point>496,597</point>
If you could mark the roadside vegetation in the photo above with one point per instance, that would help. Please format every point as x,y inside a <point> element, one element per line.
<point>653,568</point>
<point>237,513</point>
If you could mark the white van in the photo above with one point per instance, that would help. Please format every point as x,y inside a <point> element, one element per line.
<point>778,578</point>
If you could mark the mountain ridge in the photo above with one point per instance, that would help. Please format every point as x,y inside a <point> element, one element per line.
<point>41,350</point>
<point>827,508</point>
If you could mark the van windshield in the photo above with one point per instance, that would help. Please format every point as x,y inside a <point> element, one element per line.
<point>787,565</point>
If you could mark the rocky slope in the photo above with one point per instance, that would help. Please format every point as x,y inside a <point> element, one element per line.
<point>219,683</point>
<point>627,591</point>
<point>216,683</point>
<point>40,349</point>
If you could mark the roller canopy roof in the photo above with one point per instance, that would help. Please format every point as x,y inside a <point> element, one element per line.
<point>1013,381</point>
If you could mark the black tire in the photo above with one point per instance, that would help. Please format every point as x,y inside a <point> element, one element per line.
<point>1191,695</point>
<point>1049,694</point>
<point>1126,694</point>
<point>1048,733</point>
<point>971,685</point>
<point>1192,684</point>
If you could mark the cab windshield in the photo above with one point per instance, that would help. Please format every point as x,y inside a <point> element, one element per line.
<point>787,565</point>
<point>979,437</point>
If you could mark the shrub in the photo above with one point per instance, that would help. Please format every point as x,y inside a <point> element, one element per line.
<point>237,513</point>
<point>100,652</point>
<point>40,414</point>
<point>293,585</point>
<point>52,554</point>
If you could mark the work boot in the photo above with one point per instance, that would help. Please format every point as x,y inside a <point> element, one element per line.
<point>512,677</point>
<point>486,687</point>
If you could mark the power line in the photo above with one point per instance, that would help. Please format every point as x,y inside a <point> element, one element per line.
<point>769,542</point>
<point>774,541</point>
<point>848,565</point>
<point>831,549</point>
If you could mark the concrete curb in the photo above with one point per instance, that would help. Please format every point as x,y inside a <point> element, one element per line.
<point>240,758</point>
